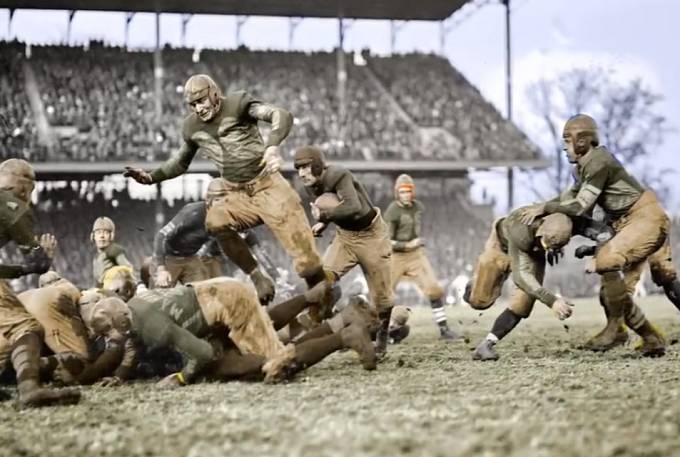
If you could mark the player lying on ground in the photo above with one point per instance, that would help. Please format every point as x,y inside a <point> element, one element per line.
<point>184,319</point>
<point>641,234</point>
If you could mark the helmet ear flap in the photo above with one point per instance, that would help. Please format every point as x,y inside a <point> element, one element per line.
<point>317,167</point>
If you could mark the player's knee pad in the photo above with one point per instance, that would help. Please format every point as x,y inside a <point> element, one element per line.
<point>476,298</point>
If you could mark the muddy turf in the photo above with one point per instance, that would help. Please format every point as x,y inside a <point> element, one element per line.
<point>544,397</point>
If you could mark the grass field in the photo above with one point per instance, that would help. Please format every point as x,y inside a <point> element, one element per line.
<point>544,397</point>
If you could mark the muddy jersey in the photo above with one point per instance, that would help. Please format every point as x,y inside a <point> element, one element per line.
<point>112,256</point>
<point>172,318</point>
<point>404,222</point>
<point>519,241</point>
<point>16,224</point>
<point>355,211</point>
<point>602,180</point>
<point>231,140</point>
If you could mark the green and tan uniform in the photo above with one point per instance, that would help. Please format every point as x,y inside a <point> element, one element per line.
<point>232,141</point>
<point>511,248</point>
<point>404,224</point>
<point>180,317</point>
<point>361,236</point>
<point>16,224</point>
<point>114,255</point>
<point>640,223</point>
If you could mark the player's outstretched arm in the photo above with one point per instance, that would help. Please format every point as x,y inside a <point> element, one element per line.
<point>176,165</point>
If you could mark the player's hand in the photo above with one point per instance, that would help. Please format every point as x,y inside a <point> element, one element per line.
<point>163,277</point>
<point>562,308</point>
<point>49,244</point>
<point>590,265</point>
<point>139,175</point>
<point>553,256</point>
<point>529,214</point>
<point>584,250</point>
<point>272,159</point>
<point>318,228</point>
<point>172,381</point>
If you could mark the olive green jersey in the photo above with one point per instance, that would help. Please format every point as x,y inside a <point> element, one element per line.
<point>355,211</point>
<point>404,222</point>
<point>601,180</point>
<point>231,140</point>
<point>112,256</point>
<point>172,318</point>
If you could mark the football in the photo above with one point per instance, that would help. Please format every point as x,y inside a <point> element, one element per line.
<point>327,201</point>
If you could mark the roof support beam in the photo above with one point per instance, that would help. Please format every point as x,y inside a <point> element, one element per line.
<point>71,14</point>
<point>293,23</point>
<point>185,21</point>
<point>395,28</point>
<point>240,22</point>
<point>128,19</point>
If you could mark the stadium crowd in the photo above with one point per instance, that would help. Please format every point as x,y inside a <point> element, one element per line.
<point>99,101</point>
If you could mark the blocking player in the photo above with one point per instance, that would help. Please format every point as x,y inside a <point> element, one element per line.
<point>641,233</point>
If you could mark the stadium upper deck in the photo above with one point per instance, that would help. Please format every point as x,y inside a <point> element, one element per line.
<point>98,104</point>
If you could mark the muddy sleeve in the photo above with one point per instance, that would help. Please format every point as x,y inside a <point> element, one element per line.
<point>523,267</point>
<point>107,362</point>
<point>130,356</point>
<point>177,164</point>
<point>280,119</point>
<point>583,201</point>
<point>159,243</point>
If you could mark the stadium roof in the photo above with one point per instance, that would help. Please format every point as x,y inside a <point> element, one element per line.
<point>357,9</point>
